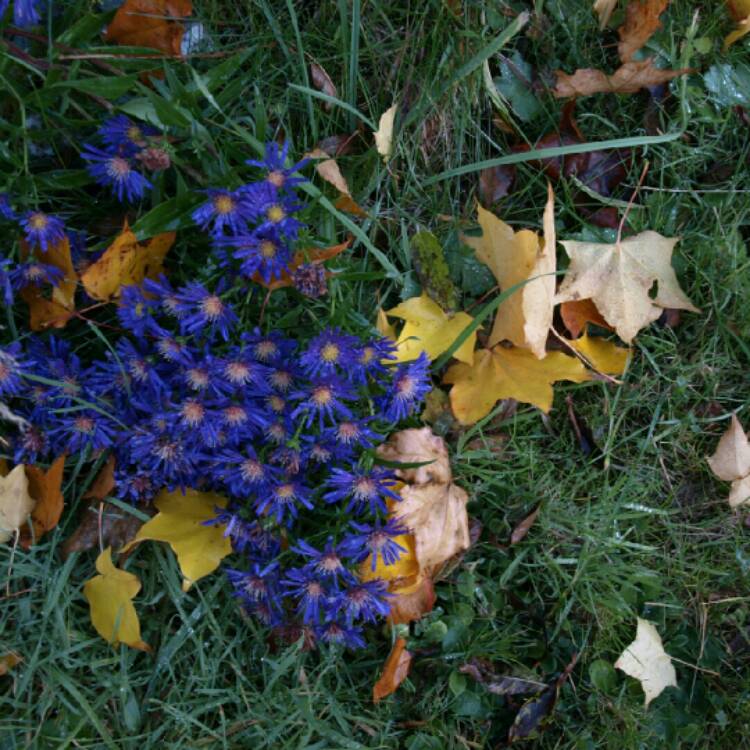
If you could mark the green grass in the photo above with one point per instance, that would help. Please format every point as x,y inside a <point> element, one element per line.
<point>644,532</point>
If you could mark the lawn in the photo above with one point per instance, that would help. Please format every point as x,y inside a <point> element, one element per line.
<point>631,524</point>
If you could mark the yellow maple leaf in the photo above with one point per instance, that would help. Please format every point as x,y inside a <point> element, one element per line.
<point>180,523</point>
<point>110,596</point>
<point>427,328</point>
<point>513,257</point>
<point>508,373</point>
<point>740,11</point>
<point>619,278</point>
<point>125,262</point>
<point>604,356</point>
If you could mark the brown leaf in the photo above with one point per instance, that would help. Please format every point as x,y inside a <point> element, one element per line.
<point>44,313</point>
<point>337,145</point>
<point>418,446</point>
<point>577,313</point>
<point>8,661</point>
<point>126,262</point>
<point>150,23</point>
<point>641,21</point>
<point>308,255</point>
<point>348,204</point>
<point>57,255</point>
<point>46,488</point>
<point>523,528</point>
<point>322,81</point>
<point>627,79</point>
<point>499,684</point>
<point>495,183</point>
<point>104,483</point>
<point>394,672</point>
<point>412,602</point>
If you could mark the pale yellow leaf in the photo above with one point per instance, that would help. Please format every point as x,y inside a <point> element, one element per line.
<point>418,446</point>
<point>604,356</point>
<point>110,596</point>
<point>731,460</point>
<point>646,661</point>
<point>15,502</point>
<point>427,328</point>
<point>508,373</point>
<point>619,277</point>
<point>739,492</point>
<point>384,133</point>
<point>383,326</point>
<point>180,523</point>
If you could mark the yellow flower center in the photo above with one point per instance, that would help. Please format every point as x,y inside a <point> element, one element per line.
<point>330,353</point>
<point>223,204</point>
<point>38,220</point>
<point>268,249</point>
<point>133,133</point>
<point>285,492</point>
<point>276,214</point>
<point>322,396</point>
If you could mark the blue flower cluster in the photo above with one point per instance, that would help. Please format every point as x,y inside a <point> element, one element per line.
<point>25,12</point>
<point>254,227</point>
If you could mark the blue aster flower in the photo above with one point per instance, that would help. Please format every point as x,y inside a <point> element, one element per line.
<point>167,296</point>
<point>309,590</point>
<point>370,360</point>
<point>6,210</point>
<point>243,472</point>
<point>156,448</point>
<point>327,352</point>
<point>136,310</point>
<point>366,600</point>
<point>275,211</point>
<point>12,367</point>
<point>362,488</point>
<point>324,399</point>
<point>258,589</point>
<point>259,252</point>
<point>134,484</point>
<point>411,382</point>
<point>25,12</point>
<point>375,541</point>
<point>31,446</point>
<point>351,434</point>
<point>326,563</point>
<point>274,163</point>
<point>340,634</point>
<point>42,229</point>
<point>203,311</point>
<point>273,349</point>
<point>123,136</point>
<point>283,498</point>
<point>35,273</point>
<point>83,430</point>
<point>224,211</point>
<point>115,172</point>
<point>196,417</point>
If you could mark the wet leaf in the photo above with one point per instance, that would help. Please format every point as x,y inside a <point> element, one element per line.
<point>9,661</point>
<point>384,133</point>
<point>627,79</point>
<point>526,316</point>
<point>46,489</point>
<point>641,21</point>
<point>516,85</point>
<point>576,314</point>
<point>508,373</point>
<point>429,329</point>
<point>412,602</point>
<point>126,262</point>
<point>619,277</point>
<point>322,81</point>
<point>522,529</point>
<point>395,670</point>
<point>110,596</point>
<point>150,23</point>
<point>180,523</point>
<point>646,660</point>
<point>16,503</point>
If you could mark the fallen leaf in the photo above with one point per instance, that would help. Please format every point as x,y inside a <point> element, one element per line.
<point>412,602</point>
<point>104,481</point>
<point>46,489</point>
<point>57,255</point>
<point>740,12</point>
<point>116,526</point>
<point>180,523</point>
<point>739,492</point>
<point>500,685</point>
<point>646,660</point>
<point>576,314</point>
<point>150,23</point>
<point>495,183</point>
<point>513,257</point>
<point>9,661</point>
<point>627,79</point>
<point>110,597</point>
<point>508,373</point>
<point>126,262</point>
<point>418,446</point>
<point>315,255</point>
<point>604,9</point>
<point>322,81</point>
<point>619,277</point>
<point>522,529</point>
<point>731,460</point>
<point>384,133</point>
<point>44,313</point>
<point>641,21</point>
<point>429,329</point>
<point>603,356</point>
<point>348,204</point>
<point>15,502</point>
<point>395,670</point>
<point>383,327</point>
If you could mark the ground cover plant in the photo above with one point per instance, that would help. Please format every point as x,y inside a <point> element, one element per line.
<point>141,246</point>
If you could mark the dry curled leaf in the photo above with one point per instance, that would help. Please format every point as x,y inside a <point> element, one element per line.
<point>110,596</point>
<point>395,670</point>
<point>647,661</point>
<point>16,503</point>
<point>181,523</point>
<point>46,489</point>
<point>322,81</point>
<point>576,314</point>
<point>641,21</point>
<point>731,462</point>
<point>619,278</point>
<point>428,328</point>
<point>627,79</point>
<point>513,257</point>
<point>522,529</point>
<point>150,23</point>
<point>508,373</point>
<point>126,262</point>
<point>384,134</point>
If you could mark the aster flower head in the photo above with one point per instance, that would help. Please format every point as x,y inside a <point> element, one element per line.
<point>244,473</point>
<point>35,273</point>
<point>42,229</point>
<point>116,172</point>
<point>204,311</point>
<point>263,253</point>
<point>364,489</point>
<point>136,310</point>
<point>364,600</point>
<point>224,211</point>
<point>410,385</point>
<point>275,211</point>
<point>283,499</point>
<point>372,359</point>
<point>309,590</point>
<point>310,279</point>
<point>328,352</point>
<point>324,399</point>
<point>274,163</point>
<point>123,136</point>
<point>326,563</point>
<point>12,366</point>
<point>340,634</point>
<point>25,12</point>
<point>81,431</point>
<point>375,541</point>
